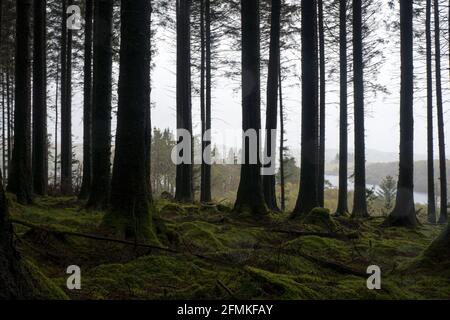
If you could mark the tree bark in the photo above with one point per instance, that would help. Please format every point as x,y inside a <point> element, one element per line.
<point>342,208</point>
<point>308,198</point>
<point>282,180</point>
<point>322,106</point>
<point>359,198</point>
<point>269,181</point>
<point>207,194</point>
<point>184,178</point>
<point>66,108</point>
<point>250,198</point>
<point>129,214</point>
<point>430,146</point>
<point>404,213</point>
<point>101,111</point>
<point>441,125</point>
<point>87,104</point>
<point>40,145</point>
<point>13,281</point>
<point>20,180</point>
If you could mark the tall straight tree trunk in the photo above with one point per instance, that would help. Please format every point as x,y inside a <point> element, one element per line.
<point>66,110</point>
<point>55,177</point>
<point>269,181</point>
<point>20,179</point>
<point>250,196</point>
<point>101,103</point>
<point>8,119</point>
<point>322,105</point>
<point>3,74</point>
<point>184,178</point>
<point>202,97</point>
<point>40,145</point>
<point>148,123</point>
<point>359,198</point>
<point>308,198</point>
<point>3,122</point>
<point>342,208</point>
<point>430,147</point>
<point>87,104</point>
<point>441,129</point>
<point>282,180</point>
<point>130,213</point>
<point>207,197</point>
<point>404,213</point>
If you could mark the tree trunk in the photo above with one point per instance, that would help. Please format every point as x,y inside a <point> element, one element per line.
<point>308,198</point>
<point>282,180</point>
<point>148,123</point>
<point>269,181</point>
<point>55,177</point>
<point>87,104</point>
<point>250,196</point>
<point>342,208</point>
<point>441,129</point>
<point>20,180</point>
<point>202,98</point>
<point>101,103</point>
<point>184,179</point>
<point>13,280</point>
<point>404,213</point>
<point>40,145</point>
<point>359,198</point>
<point>322,105</point>
<point>430,146</point>
<point>207,195</point>
<point>129,213</point>
<point>66,108</point>
<point>8,119</point>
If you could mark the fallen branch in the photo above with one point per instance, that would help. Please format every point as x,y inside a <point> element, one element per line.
<point>91,236</point>
<point>224,287</point>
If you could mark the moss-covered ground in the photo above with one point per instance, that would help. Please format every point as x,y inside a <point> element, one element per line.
<point>222,255</point>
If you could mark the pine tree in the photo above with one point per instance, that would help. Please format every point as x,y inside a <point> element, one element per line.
<point>308,198</point>
<point>20,178</point>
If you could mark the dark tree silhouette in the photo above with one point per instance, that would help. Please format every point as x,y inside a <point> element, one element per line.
<point>14,282</point>
<point>101,104</point>
<point>308,198</point>
<point>342,208</point>
<point>205,96</point>
<point>430,147</point>
<point>129,214</point>
<point>441,129</point>
<point>282,177</point>
<point>359,198</point>
<point>184,180</point>
<point>40,145</point>
<point>404,213</point>
<point>272,103</point>
<point>322,106</point>
<point>20,178</point>
<point>66,105</point>
<point>250,196</point>
<point>87,104</point>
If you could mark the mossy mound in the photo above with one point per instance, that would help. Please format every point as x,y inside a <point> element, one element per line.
<point>321,218</point>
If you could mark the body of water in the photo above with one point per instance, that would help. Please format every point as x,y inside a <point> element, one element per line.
<point>419,197</point>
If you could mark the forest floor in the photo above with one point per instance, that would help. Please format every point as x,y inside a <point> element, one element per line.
<point>216,254</point>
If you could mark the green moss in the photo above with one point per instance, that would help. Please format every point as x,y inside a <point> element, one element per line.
<point>244,253</point>
<point>321,218</point>
<point>43,288</point>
